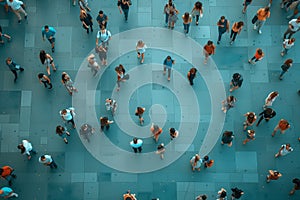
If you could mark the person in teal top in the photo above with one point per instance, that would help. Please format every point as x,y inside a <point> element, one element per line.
<point>49,32</point>
<point>136,145</point>
<point>168,63</point>
<point>7,192</point>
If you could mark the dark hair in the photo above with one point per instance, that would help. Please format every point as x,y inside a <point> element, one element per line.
<point>169,57</point>
<point>267,9</point>
<point>209,42</point>
<point>288,61</point>
<point>198,5</point>
<point>223,17</point>
<point>20,146</point>
<point>172,130</point>
<point>135,140</point>
<point>43,157</point>
<point>42,56</point>
<point>60,129</point>
<point>46,27</point>
<point>8,59</point>
<point>228,133</point>
<point>259,51</point>
<point>40,75</point>
<point>193,70</point>
<point>186,16</point>
<point>251,117</point>
<point>236,76</point>
<point>240,24</point>
<point>101,12</point>
<point>206,158</point>
<point>140,110</point>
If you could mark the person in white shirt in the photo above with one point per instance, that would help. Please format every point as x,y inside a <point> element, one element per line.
<point>17,7</point>
<point>26,148</point>
<point>287,45</point>
<point>294,26</point>
<point>48,161</point>
<point>102,37</point>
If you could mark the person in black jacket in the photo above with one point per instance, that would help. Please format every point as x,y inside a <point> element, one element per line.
<point>236,82</point>
<point>86,19</point>
<point>124,5</point>
<point>236,193</point>
<point>267,114</point>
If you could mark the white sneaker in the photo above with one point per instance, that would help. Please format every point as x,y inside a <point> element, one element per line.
<point>254,27</point>
<point>15,194</point>
<point>259,31</point>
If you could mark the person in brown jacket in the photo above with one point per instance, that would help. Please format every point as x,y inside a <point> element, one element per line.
<point>273,175</point>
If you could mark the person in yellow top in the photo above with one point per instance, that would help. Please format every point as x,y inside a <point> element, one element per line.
<point>187,19</point>
<point>262,15</point>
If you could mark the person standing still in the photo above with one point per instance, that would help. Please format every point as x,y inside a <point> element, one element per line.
<point>124,5</point>
<point>223,26</point>
<point>168,64</point>
<point>49,32</point>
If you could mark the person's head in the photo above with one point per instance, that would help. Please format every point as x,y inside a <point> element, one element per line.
<point>206,158</point>
<point>276,173</point>
<point>46,28</point>
<point>288,145</point>
<point>101,13</point>
<point>259,51</point>
<point>267,9</point>
<point>42,56</point>
<point>42,52</point>
<point>40,75</point>
<point>186,16</point>
<point>21,147</point>
<point>251,115</point>
<point>268,111</point>
<point>222,19</point>
<point>197,157</point>
<point>240,24</point>
<point>8,60</point>
<point>59,129</point>
<point>209,42</point>
<point>140,110</point>
<point>172,130</point>
<point>82,14</point>
<point>43,157</point>
<point>64,112</point>
<point>102,29</point>
<point>198,5</point>
<point>135,140</point>
<point>193,70</point>
<point>292,40</point>
<point>228,133</point>
<point>65,76</point>
<point>169,58</point>
<point>232,99</point>
<point>140,43</point>
<point>170,3</point>
<point>11,0</point>
<point>289,61</point>
<point>236,76</point>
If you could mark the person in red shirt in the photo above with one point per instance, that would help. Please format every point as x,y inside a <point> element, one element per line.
<point>208,49</point>
<point>282,125</point>
<point>259,55</point>
<point>7,174</point>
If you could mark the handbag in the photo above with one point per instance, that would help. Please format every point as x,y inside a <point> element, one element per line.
<point>254,19</point>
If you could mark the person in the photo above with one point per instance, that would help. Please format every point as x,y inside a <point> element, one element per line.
<point>285,67</point>
<point>136,145</point>
<point>191,75</point>
<point>294,26</point>
<point>208,50</point>
<point>104,122</point>
<point>7,192</point>
<point>111,105</point>
<point>45,80</point>
<point>102,19</point>
<point>273,175</point>
<point>287,44</point>
<point>236,81</point>
<point>121,75</point>
<point>26,148</point>
<point>208,162</point>
<point>228,103</point>
<point>267,114</point>
<point>17,7</point>
<point>197,11</point>
<point>47,160</point>
<point>62,132</point>
<point>49,32</point>
<point>262,15</point>
<point>250,136</point>
<point>294,7</point>
<point>156,131</point>
<point>270,99</point>
<point>296,182</point>
<point>102,53</point>
<point>236,193</point>
<point>168,7</point>
<point>83,5</point>
<point>14,67</point>
<point>47,60</point>
<point>227,138</point>
<point>103,36</point>
<point>246,4</point>
<point>129,196</point>
<point>187,19</point>
<point>222,194</point>
<point>86,130</point>
<point>124,5</point>
<point>201,197</point>
<point>87,21</point>
<point>282,125</point>
<point>68,115</point>
<point>284,150</point>
<point>68,83</point>
<point>168,64</point>
<point>139,112</point>
<point>160,150</point>
<point>141,49</point>
<point>172,19</point>
<point>8,37</point>
<point>259,55</point>
<point>7,173</point>
<point>223,26</point>
<point>173,133</point>
<point>236,29</point>
<point>93,64</point>
<point>196,162</point>
<point>250,119</point>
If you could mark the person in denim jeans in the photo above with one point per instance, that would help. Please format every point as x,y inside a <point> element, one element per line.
<point>262,15</point>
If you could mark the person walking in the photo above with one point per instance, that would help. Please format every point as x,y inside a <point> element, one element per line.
<point>43,79</point>
<point>111,105</point>
<point>208,50</point>
<point>259,55</point>
<point>172,19</point>
<point>168,64</point>
<point>83,5</point>
<point>294,26</point>
<point>287,44</point>
<point>196,162</point>
<point>250,119</point>
<point>8,37</point>
<point>68,115</point>
<point>62,132</point>
<point>14,67</point>
<point>161,150</point>
<point>273,175</point>
<point>68,83</point>
<point>129,196</point>
<point>201,197</point>
<point>17,7</point>
<point>236,29</point>
<point>262,15</point>
<point>228,103</point>
<point>197,11</point>
<point>121,75</point>
<point>267,114</point>
<point>296,182</point>
<point>47,160</point>
<point>282,125</point>
<point>208,162</point>
<point>124,5</point>
<point>284,150</point>
<point>136,145</point>
<point>139,112</point>
<point>168,7</point>
<point>49,32</point>
<point>47,60</point>
<point>86,131</point>
<point>222,194</point>
<point>227,138</point>
<point>270,99</point>
<point>173,133</point>
<point>104,122</point>
<point>7,192</point>
<point>93,64</point>
<point>156,131</point>
<point>285,67</point>
<point>103,36</point>
<point>236,193</point>
<point>191,75</point>
<point>187,19</point>
<point>7,173</point>
<point>246,4</point>
<point>102,19</point>
<point>87,21</point>
<point>250,136</point>
<point>223,26</point>
<point>141,49</point>
<point>26,148</point>
<point>236,81</point>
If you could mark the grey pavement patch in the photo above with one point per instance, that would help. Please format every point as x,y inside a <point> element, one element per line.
<point>25,115</point>
<point>123,177</point>
<point>63,39</point>
<point>29,40</point>
<point>246,161</point>
<point>250,178</point>
<point>91,191</point>
<point>4,118</point>
<point>77,177</point>
<point>26,98</point>
<point>44,140</point>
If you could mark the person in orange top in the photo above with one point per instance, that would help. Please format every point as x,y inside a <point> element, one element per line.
<point>259,55</point>
<point>236,29</point>
<point>208,49</point>
<point>262,15</point>
<point>7,174</point>
<point>129,196</point>
<point>282,125</point>
<point>273,175</point>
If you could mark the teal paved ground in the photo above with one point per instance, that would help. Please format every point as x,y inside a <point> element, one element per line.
<point>106,167</point>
